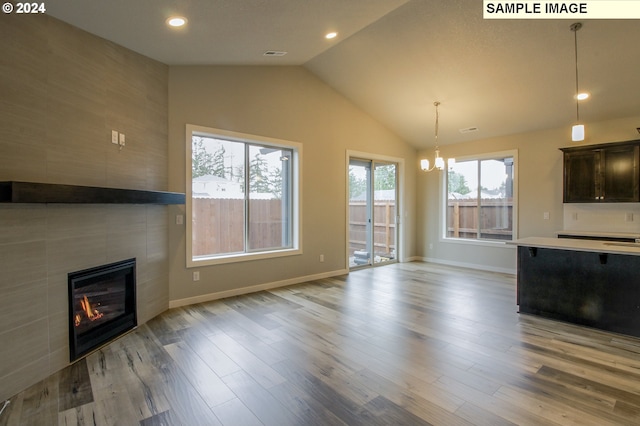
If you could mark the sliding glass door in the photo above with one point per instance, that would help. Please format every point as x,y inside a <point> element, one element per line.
<point>372,212</point>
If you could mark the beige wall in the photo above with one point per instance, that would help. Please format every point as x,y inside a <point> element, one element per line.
<point>284,103</point>
<point>539,191</point>
<point>61,92</point>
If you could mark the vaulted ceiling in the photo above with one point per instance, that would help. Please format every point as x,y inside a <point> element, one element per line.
<point>394,58</point>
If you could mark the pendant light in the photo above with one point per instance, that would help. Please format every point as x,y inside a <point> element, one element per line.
<point>577,131</point>
<point>438,162</point>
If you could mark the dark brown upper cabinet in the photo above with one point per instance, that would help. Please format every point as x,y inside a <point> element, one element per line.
<point>605,173</point>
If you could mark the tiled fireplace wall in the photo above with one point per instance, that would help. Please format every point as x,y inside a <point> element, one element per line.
<point>62,91</point>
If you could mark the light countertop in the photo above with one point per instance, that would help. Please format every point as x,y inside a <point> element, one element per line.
<point>579,245</point>
<point>600,234</point>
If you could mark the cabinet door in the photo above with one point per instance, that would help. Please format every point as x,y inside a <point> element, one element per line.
<point>620,173</point>
<point>582,176</point>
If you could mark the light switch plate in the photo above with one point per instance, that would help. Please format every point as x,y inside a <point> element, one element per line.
<point>122,142</point>
<point>114,137</point>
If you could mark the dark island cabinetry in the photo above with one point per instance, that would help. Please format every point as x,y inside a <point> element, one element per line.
<point>602,173</point>
<point>600,290</point>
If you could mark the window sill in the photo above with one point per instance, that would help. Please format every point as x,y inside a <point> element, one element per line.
<point>483,243</point>
<point>240,257</point>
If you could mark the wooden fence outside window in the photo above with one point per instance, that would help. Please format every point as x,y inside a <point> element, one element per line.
<point>218,224</point>
<point>496,219</point>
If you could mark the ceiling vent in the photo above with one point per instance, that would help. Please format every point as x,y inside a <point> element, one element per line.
<point>274,53</point>
<point>469,130</point>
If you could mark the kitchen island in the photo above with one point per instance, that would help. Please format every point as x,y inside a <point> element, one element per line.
<point>586,282</point>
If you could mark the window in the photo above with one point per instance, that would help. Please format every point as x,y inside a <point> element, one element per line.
<point>242,196</point>
<point>481,199</point>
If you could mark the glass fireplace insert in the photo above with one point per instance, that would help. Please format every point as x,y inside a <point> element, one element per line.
<point>102,305</point>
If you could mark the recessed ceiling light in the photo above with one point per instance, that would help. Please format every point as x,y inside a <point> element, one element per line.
<point>177,21</point>
<point>582,96</point>
<point>331,35</point>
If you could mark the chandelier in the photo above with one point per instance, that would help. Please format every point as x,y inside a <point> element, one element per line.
<point>438,162</point>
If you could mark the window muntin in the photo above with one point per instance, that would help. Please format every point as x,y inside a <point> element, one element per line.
<point>480,200</point>
<point>241,197</point>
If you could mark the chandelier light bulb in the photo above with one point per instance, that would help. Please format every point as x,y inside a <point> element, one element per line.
<point>451,162</point>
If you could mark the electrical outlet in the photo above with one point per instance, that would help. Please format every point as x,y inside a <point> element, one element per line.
<point>179,219</point>
<point>545,215</point>
<point>122,141</point>
<point>114,137</point>
<point>196,275</point>
<point>322,258</point>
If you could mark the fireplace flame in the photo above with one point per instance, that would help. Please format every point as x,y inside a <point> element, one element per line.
<point>90,312</point>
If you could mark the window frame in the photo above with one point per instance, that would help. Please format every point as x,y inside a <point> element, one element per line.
<point>445,196</point>
<point>296,197</point>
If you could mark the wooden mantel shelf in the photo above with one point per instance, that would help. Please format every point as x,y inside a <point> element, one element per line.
<point>29,192</point>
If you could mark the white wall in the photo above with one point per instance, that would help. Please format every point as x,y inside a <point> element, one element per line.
<point>604,217</point>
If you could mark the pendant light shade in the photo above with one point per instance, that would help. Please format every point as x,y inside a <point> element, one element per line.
<point>577,132</point>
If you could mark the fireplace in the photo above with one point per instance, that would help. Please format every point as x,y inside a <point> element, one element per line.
<point>102,305</point>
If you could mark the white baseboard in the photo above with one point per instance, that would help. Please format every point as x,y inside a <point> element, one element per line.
<point>246,290</point>
<point>468,265</point>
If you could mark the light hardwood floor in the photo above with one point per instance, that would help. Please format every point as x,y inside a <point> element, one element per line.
<point>403,344</point>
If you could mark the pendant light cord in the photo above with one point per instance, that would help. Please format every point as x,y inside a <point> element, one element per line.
<point>575,27</point>
<point>437,121</point>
